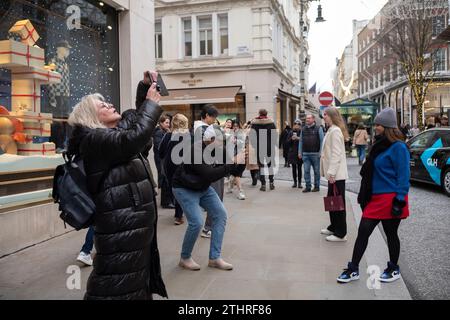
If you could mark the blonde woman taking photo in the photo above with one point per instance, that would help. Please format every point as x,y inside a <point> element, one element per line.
<point>333,166</point>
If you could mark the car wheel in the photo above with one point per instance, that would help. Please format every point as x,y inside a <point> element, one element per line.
<point>446,181</point>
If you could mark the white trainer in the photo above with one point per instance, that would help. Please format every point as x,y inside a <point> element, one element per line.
<point>241,195</point>
<point>326,232</point>
<point>333,238</point>
<point>85,258</point>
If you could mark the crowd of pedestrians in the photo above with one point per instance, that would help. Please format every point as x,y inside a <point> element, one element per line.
<point>115,151</point>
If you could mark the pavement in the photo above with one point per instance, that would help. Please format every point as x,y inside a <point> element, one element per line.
<point>273,240</point>
<point>425,246</point>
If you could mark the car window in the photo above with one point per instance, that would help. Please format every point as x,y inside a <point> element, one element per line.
<point>445,136</point>
<point>421,141</point>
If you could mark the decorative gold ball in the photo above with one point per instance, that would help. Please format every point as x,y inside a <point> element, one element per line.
<point>6,126</point>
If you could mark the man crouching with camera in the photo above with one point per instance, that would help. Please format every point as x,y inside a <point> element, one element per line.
<point>127,264</point>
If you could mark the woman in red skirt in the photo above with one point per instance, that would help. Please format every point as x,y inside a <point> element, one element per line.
<point>383,195</point>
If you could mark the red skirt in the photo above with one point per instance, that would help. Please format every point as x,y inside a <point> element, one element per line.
<point>380,207</point>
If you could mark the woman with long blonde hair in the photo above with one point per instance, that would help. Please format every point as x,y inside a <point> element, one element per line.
<point>179,127</point>
<point>333,166</point>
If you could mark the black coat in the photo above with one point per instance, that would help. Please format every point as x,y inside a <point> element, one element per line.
<point>263,128</point>
<point>293,148</point>
<point>127,264</point>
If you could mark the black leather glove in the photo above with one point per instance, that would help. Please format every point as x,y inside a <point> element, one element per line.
<point>397,207</point>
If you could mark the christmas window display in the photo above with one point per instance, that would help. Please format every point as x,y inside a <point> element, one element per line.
<point>46,67</point>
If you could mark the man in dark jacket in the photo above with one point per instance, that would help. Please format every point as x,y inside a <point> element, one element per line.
<point>264,129</point>
<point>309,150</point>
<point>127,264</point>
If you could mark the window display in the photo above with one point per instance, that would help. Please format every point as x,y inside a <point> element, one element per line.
<point>52,53</point>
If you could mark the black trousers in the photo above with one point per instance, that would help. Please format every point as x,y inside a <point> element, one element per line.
<point>263,164</point>
<point>338,218</point>
<point>366,228</point>
<point>297,172</point>
<point>167,197</point>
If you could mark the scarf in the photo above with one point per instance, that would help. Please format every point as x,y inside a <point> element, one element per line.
<point>365,192</point>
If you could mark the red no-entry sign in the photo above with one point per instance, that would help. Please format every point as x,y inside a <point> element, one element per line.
<point>326,98</point>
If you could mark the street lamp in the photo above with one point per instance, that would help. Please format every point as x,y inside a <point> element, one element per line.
<point>304,29</point>
<point>319,11</point>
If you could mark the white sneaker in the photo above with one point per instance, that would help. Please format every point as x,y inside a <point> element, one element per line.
<point>333,238</point>
<point>205,234</point>
<point>85,258</point>
<point>326,232</point>
<point>241,195</point>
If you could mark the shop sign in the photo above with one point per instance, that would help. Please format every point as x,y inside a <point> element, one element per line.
<point>192,82</point>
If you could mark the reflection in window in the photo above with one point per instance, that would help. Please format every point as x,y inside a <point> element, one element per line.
<point>187,26</point>
<point>223,33</point>
<point>158,40</point>
<point>205,35</point>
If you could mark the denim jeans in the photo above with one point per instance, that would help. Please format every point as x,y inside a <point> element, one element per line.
<point>314,161</point>
<point>89,241</point>
<point>361,152</point>
<point>192,202</point>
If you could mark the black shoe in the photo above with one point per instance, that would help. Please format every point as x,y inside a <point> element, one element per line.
<point>254,182</point>
<point>300,186</point>
<point>263,188</point>
<point>307,190</point>
<point>316,190</point>
<point>295,185</point>
<point>272,186</point>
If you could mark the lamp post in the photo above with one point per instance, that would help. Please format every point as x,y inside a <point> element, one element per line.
<point>304,62</point>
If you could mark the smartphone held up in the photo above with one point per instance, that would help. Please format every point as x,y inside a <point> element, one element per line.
<point>155,77</point>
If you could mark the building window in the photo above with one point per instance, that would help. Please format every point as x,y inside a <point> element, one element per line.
<point>223,33</point>
<point>158,40</point>
<point>187,37</point>
<point>438,25</point>
<point>439,60</point>
<point>205,36</point>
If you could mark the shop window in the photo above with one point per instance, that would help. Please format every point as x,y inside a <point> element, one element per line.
<point>82,47</point>
<point>158,40</point>
<point>187,37</point>
<point>223,33</point>
<point>205,35</point>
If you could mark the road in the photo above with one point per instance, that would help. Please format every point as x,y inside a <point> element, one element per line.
<point>425,237</point>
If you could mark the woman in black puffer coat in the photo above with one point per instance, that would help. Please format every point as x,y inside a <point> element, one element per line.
<point>127,264</point>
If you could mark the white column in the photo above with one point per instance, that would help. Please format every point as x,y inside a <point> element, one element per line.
<point>195,40</point>
<point>136,53</point>
<point>215,35</point>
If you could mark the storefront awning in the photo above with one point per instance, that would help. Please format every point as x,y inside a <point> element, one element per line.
<point>200,96</point>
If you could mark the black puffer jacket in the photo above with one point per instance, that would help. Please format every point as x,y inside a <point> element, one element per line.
<point>127,264</point>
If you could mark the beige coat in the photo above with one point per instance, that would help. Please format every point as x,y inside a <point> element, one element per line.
<point>360,137</point>
<point>333,161</point>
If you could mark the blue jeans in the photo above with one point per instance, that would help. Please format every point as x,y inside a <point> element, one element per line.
<point>192,202</point>
<point>89,241</point>
<point>314,161</point>
<point>361,152</point>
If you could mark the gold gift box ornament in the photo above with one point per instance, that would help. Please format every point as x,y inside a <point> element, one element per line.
<point>26,31</point>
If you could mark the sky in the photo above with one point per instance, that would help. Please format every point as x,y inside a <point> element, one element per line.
<point>327,40</point>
